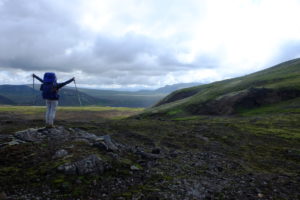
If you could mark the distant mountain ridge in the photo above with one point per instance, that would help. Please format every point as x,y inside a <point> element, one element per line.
<point>6,101</point>
<point>178,86</point>
<point>26,95</point>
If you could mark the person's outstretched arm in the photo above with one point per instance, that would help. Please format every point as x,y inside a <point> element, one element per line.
<point>60,85</point>
<point>38,78</point>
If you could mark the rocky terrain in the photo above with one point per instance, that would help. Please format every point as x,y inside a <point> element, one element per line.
<point>72,163</point>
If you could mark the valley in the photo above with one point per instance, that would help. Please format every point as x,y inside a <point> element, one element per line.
<point>234,139</point>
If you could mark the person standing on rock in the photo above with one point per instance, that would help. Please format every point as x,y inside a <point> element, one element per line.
<point>49,90</point>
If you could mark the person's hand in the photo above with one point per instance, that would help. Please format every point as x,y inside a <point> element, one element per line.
<point>33,75</point>
<point>73,79</point>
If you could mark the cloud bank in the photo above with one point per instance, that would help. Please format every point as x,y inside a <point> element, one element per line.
<point>144,43</point>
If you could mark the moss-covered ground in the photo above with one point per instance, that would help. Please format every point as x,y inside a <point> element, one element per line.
<point>260,142</point>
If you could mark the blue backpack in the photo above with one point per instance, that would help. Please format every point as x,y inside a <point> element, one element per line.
<point>49,87</point>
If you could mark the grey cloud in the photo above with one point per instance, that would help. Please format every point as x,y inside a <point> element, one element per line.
<point>287,51</point>
<point>170,61</point>
<point>44,36</point>
<point>123,49</point>
<point>34,34</point>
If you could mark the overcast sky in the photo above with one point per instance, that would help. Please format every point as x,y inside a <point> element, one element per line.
<point>145,43</point>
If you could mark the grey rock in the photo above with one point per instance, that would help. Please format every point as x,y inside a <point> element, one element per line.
<point>78,181</point>
<point>13,142</point>
<point>82,140</point>
<point>60,153</point>
<point>134,168</point>
<point>203,138</point>
<point>81,133</point>
<point>106,144</point>
<point>78,133</point>
<point>109,143</point>
<point>92,164</point>
<point>101,145</point>
<point>59,134</point>
<point>30,135</point>
<point>63,134</point>
<point>40,134</point>
<point>102,142</point>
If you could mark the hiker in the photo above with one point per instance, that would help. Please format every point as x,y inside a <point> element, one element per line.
<point>49,90</point>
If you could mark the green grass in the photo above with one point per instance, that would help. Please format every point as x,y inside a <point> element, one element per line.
<point>189,118</point>
<point>283,76</point>
<point>70,113</point>
<point>25,109</point>
<point>291,106</point>
<point>99,108</point>
<point>271,129</point>
<point>285,126</point>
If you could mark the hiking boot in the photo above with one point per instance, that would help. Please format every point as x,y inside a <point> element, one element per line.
<point>49,126</point>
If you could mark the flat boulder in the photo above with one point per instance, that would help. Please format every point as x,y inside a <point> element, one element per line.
<point>40,134</point>
<point>106,144</point>
<point>91,164</point>
<point>60,153</point>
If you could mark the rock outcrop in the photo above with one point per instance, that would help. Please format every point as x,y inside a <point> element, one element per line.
<point>91,164</point>
<point>64,140</point>
<point>246,99</point>
<point>61,134</point>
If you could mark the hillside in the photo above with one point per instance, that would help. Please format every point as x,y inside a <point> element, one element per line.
<point>174,87</point>
<point>275,86</point>
<point>20,94</point>
<point>25,95</point>
<point>5,101</point>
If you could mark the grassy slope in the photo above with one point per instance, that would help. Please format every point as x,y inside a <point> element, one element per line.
<point>285,75</point>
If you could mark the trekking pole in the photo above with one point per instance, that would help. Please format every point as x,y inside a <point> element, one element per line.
<point>77,93</point>
<point>34,97</point>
